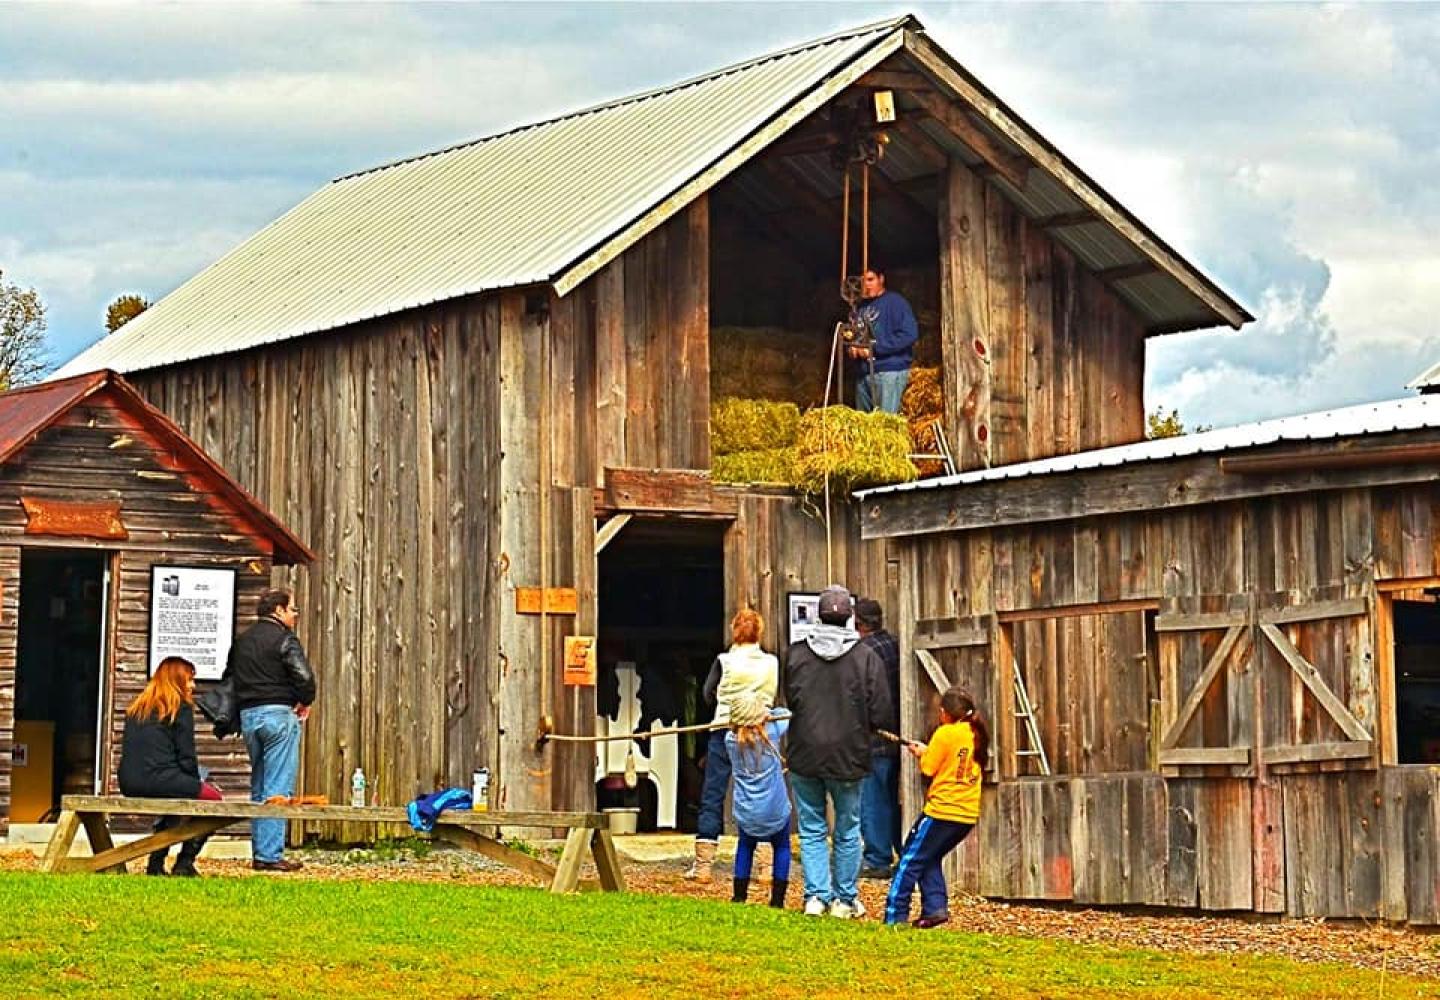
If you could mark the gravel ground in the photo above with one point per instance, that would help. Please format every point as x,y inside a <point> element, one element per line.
<point>1357,943</point>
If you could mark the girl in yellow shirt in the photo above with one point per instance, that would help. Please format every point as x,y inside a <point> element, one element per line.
<point>954,761</point>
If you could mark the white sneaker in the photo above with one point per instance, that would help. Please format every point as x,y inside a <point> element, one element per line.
<point>847,911</point>
<point>815,907</point>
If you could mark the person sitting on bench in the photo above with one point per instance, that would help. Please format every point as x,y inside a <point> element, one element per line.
<point>157,754</point>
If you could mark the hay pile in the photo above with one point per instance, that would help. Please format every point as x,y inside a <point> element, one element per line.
<point>924,406</point>
<point>769,466</point>
<point>856,449</point>
<point>769,363</point>
<point>753,441</point>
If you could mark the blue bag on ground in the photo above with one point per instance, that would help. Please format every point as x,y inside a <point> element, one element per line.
<point>425,810</point>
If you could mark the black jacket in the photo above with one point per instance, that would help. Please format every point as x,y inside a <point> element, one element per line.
<point>268,667</point>
<point>836,704</point>
<point>157,758</point>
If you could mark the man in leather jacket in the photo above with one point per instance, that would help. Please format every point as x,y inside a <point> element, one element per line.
<point>274,687</point>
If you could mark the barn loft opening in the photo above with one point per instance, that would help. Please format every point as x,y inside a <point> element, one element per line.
<point>661,624</point>
<point>58,680</point>
<point>1417,681</point>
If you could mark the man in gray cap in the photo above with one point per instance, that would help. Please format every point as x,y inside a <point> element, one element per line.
<point>838,695</point>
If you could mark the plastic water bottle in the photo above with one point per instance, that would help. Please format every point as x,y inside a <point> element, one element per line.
<point>357,788</point>
<point>480,789</point>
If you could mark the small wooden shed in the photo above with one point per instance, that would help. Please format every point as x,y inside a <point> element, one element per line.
<point>1231,641</point>
<point>97,490</point>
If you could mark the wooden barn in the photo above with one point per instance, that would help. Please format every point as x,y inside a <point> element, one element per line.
<point>102,500</point>
<point>1230,643</point>
<point>479,382</point>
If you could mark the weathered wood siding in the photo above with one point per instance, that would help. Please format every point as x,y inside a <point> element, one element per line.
<point>1074,604</point>
<point>379,446</point>
<point>1040,358</point>
<point>97,452</point>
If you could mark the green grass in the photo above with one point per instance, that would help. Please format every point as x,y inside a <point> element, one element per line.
<point>129,936</point>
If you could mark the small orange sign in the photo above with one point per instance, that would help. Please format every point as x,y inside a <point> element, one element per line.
<point>558,600</point>
<point>580,660</point>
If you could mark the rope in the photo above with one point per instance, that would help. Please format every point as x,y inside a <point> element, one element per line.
<point>570,738</point>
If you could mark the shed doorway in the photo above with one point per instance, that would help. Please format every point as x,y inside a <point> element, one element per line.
<point>661,623</point>
<point>59,685</point>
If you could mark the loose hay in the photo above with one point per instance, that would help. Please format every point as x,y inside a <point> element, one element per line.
<point>858,450</point>
<point>768,466</point>
<point>749,425</point>
<point>923,405</point>
<point>769,362</point>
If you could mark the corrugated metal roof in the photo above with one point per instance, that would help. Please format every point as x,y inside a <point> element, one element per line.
<point>26,413</point>
<point>1408,414</point>
<point>552,202</point>
<point>510,210</point>
<point>1429,377</point>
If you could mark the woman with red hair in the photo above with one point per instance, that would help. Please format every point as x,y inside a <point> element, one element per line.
<point>743,671</point>
<point>157,754</point>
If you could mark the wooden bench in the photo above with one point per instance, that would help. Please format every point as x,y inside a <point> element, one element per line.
<point>588,832</point>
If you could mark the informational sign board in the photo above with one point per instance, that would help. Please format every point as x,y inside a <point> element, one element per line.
<point>192,614</point>
<point>803,613</point>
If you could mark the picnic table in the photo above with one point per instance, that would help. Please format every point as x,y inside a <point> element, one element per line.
<point>588,833</point>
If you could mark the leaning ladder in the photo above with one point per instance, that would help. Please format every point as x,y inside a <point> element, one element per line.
<point>942,450</point>
<point>1025,710</point>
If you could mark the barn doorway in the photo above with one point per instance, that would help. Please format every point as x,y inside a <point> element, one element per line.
<point>1417,681</point>
<point>661,624</point>
<point>58,679</point>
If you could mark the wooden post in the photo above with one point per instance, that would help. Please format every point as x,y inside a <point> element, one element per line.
<point>965,316</point>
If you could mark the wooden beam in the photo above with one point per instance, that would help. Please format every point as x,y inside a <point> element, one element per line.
<point>1128,489</point>
<point>116,857</point>
<point>1233,638</point>
<point>1065,220</point>
<point>1311,678</point>
<point>665,490</point>
<point>935,63</point>
<point>1316,611</point>
<point>232,810</point>
<point>1192,621</point>
<point>805,142</point>
<point>1111,275</point>
<point>1078,610</point>
<point>1196,756</point>
<point>928,147</point>
<point>957,121</point>
<point>1356,457</point>
<point>609,530</point>
<point>889,79</point>
<point>933,670</point>
<point>1386,722</point>
<point>1305,752</point>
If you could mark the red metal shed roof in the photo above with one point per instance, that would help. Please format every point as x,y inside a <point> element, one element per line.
<point>26,413</point>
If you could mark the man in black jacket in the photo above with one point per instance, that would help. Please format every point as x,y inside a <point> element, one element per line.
<point>838,694</point>
<point>274,687</point>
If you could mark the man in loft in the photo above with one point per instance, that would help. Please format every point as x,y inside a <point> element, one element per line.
<point>883,365</point>
<point>274,687</point>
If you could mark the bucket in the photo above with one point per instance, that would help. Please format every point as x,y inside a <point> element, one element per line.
<point>623,821</point>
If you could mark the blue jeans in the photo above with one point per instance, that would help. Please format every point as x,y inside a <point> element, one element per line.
<point>881,391</point>
<point>880,811</point>
<point>712,792</point>
<point>826,879</point>
<point>272,735</point>
<point>920,861</point>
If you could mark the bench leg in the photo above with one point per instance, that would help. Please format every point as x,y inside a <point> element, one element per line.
<point>607,861</point>
<point>567,872</point>
<point>491,848</point>
<point>97,828</point>
<point>66,827</point>
<point>116,856</point>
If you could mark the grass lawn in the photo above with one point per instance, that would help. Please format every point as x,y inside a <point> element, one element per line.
<point>129,936</point>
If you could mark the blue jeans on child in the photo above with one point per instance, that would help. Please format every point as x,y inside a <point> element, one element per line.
<point>920,861</point>
<point>779,842</point>
<point>880,811</point>
<point>828,879</point>
<point>712,793</point>
<point>272,736</point>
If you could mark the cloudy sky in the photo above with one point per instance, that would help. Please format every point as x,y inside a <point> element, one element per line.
<point>1291,151</point>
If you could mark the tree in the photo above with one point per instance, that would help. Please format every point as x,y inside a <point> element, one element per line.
<point>123,310</point>
<point>23,354</point>
<point>1167,425</point>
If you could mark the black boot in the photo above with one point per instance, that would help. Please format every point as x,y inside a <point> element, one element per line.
<point>185,863</point>
<point>777,892</point>
<point>741,891</point>
<point>156,864</point>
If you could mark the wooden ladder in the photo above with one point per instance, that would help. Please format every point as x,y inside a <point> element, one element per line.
<point>942,450</point>
<point>1025,710</point>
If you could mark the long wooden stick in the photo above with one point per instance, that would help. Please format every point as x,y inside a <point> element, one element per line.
<point>567,738</point>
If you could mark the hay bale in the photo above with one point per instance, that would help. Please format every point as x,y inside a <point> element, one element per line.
<point>771,466</point>
<point>856,449</point>
<point>738,425</point>
<point>768,362</point>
